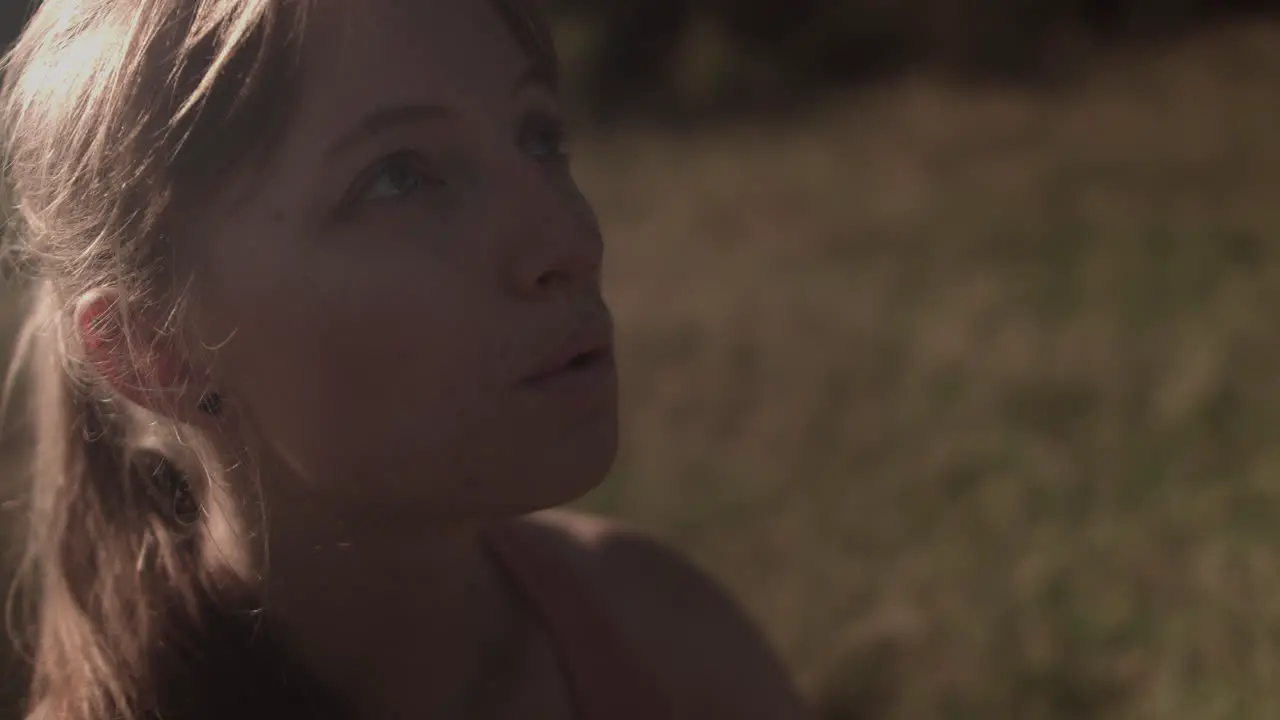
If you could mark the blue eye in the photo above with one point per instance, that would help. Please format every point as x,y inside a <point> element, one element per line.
<point>545,137</point>
<point>398,175</point>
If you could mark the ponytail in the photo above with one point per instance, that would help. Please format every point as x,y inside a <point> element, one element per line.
<point>111,543</point>
<point>131,618</point>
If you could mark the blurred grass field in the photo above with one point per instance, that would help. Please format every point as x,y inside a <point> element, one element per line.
<point>969,393</point>
<point>972,394</point>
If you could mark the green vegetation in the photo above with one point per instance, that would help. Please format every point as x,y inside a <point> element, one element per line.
<point>970,394</point>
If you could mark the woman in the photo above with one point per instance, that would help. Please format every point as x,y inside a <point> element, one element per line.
<point>317,335</point>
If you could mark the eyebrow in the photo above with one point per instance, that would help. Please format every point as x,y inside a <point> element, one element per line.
<point>389,117</point>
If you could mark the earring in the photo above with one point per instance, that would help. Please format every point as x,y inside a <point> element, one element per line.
<point>210,404</point>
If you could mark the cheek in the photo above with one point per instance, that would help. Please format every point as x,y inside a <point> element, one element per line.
<point>346,394</point>
<point>340,365</point>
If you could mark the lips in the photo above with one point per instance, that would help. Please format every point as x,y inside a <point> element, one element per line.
<point>587,349</point>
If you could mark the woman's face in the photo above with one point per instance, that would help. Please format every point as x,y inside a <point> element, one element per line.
<point>406,303</point>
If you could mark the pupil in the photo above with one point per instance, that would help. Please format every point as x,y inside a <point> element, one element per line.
<point>402,177</point>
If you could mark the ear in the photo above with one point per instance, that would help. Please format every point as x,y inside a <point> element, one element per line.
<point>136,359</point>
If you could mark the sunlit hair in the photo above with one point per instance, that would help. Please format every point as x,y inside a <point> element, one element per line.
<point>117,117</point>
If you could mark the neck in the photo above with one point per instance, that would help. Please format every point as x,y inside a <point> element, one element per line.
<point>403,619</point>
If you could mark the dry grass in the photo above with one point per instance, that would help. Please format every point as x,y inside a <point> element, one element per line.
<point>969,393</point>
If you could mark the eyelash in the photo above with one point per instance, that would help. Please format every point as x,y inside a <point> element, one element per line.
<point>552,126</point>
<point>541,126</point>
<point>400,158</point>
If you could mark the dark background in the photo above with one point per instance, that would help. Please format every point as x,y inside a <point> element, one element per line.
<point>781,48</point>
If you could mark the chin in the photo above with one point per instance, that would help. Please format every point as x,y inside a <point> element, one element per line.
<point>563,473</point>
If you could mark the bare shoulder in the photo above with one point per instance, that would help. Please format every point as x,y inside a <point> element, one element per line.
<point>714,662</point>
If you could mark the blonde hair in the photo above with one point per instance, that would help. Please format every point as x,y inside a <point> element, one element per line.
<point>117,117</point>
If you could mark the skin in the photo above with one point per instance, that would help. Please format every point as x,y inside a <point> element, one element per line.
<point>373,323</point>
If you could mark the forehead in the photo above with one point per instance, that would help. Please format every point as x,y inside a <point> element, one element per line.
<point>378,52</point>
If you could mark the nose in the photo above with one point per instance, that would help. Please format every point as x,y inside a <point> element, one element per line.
<point>558,243</point>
